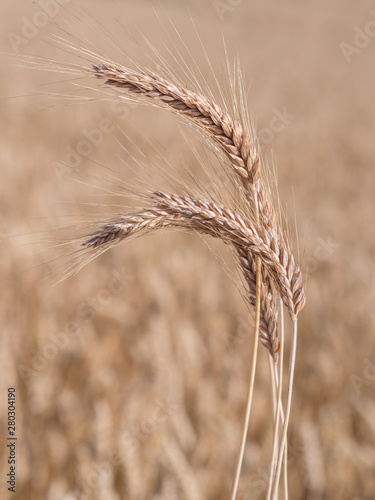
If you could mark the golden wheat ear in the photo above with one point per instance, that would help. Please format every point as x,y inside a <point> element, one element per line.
<point>252,228</point>
<point>266,261</point>
<point>235,142</point>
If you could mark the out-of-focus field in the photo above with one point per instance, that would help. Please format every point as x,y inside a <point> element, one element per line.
<point>131,377</point>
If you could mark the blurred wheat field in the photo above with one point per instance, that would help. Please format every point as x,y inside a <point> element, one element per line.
<point>131,376</point>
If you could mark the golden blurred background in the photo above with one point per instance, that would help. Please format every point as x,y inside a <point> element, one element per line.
<point>131,376</point>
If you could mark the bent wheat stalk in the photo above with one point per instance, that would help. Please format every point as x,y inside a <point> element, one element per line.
<point>254,232</point>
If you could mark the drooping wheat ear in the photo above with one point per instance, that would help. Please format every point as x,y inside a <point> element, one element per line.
<point>217,220</point>
<point>203,112</point>
<point>235,142</point>
<point>161,217</point>
<point>208,116</point>
<point>242,231</point>
<point>129,225</point>
<point>254,230</point>
<point>268,301</point>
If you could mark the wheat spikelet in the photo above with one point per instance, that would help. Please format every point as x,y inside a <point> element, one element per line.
<point>268,304</point>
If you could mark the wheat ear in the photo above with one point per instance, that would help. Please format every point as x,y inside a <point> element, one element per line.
<point>263,253</point>
<point>195,215</point>
<point>215,219</point>
<point>268,306</point>
<point>232,139</point>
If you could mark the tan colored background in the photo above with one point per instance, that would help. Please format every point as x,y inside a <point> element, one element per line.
<point>157,370</point>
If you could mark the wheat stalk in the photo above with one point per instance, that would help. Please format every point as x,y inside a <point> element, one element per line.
<point>254,231</point>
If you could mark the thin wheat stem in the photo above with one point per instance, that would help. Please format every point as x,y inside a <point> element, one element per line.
<point>251,383</point>
<point>276,424</point>
<point>258,292</point>
<point>292,362</point>
<point>271,366</point>
<point>278,381</point>
<point>285,470</point>
<point>282,336</point>
<point>283,420</point>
